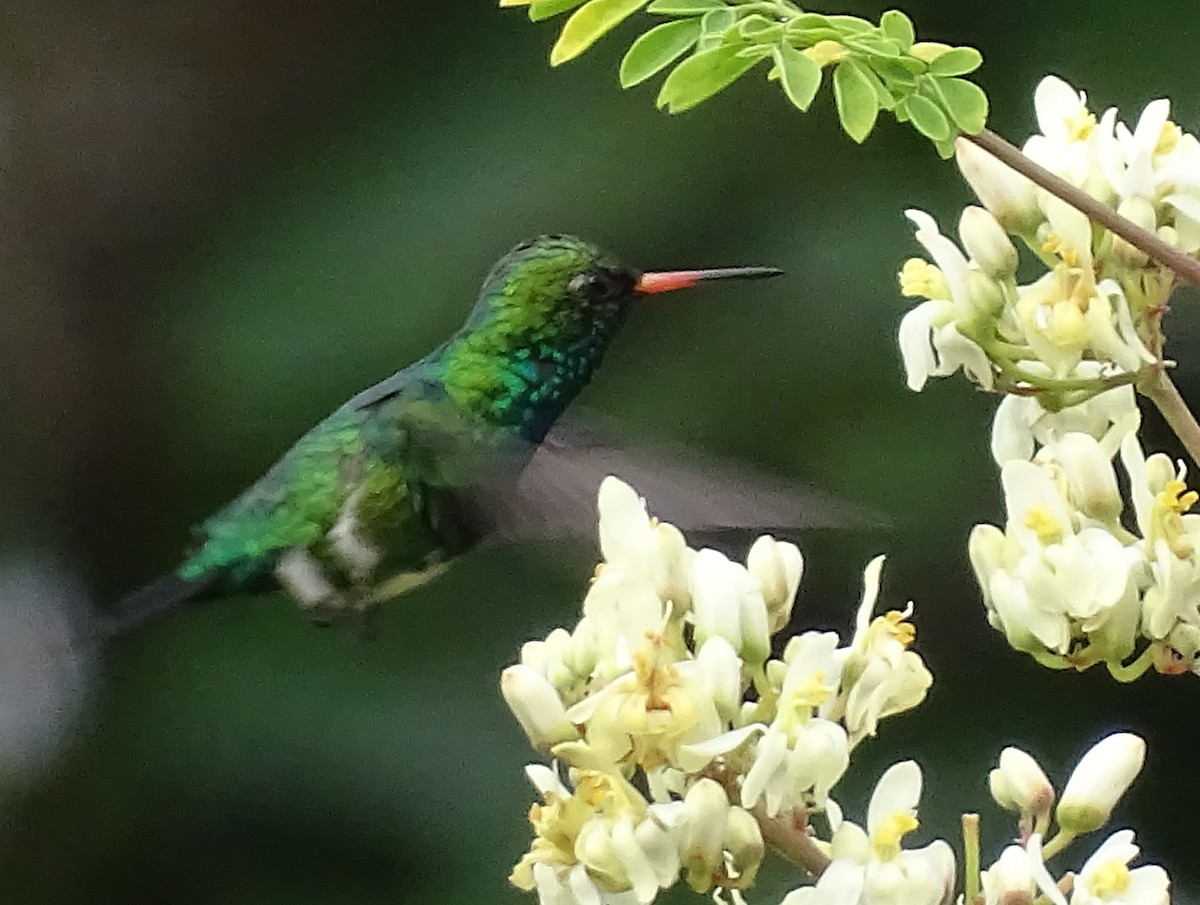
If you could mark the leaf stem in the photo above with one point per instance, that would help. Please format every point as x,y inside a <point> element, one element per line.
<point>1184,265</point>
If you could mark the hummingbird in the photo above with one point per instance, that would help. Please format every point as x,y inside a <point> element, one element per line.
<point>448,451</point>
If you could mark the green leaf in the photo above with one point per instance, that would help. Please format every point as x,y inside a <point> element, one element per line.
<point>799,76</point>
<point>958,61</point>
<point>872,43</point>
<point>684,7</point>
<point>588,24</point>
<point>810,20</point>
<point>544,9</point>
<point>884,96</point>
<point>755,27</point>
<point>718,21</point>
<point>965,102</point>
<point>857,103</point>
<point>927,118</point>
<point>898,27</point>
<point>894,73</point>
<point>945,148</point>
<point>701,76</point>
<point>657,49</point>
<point>849,25</point>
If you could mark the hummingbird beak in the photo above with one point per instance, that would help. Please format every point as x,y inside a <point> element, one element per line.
<point>670,280</point>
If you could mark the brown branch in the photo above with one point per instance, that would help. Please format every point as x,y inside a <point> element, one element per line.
<point>788,835</point>
<point>1184,265</point>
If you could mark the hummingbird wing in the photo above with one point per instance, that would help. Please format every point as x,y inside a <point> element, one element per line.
<point>701,493</point>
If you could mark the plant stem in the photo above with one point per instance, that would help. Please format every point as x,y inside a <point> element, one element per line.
<point>788,835</point>
<point>1184,265</point>
<point>970,831</point>
<point>1159,389</point>
<point>1060,841</point>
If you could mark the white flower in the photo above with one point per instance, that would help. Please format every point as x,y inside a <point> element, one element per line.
<point>728,602</point>
<point>893,875</point>
<point>640,546</point>
<point>1098,782</point>
<point>1019,784</point>
<point>1071,141</point>
<point>721,844</point>
<point>641,583</point>
<point>777,567</point>
<point>801,754</point>
<point>565,659</point>
<point>1046,583</point>
<point>987,243</point>
<point>794,770</point>
<point>720,671</point>
<point>1010,880</point>
<point>645,717</point>
<point>1022,424</point>
<point>1011,197</point>
<point>1065,314</point>
<point>881,676</point>
<point>1106,878</point>
<point>598,845</point>
<point>932,341</point>
<point>537,706</point>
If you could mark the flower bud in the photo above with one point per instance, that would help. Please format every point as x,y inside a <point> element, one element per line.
<point>777,568</point>
<point>1011,198</point>
<point>705,812</point>
<point>744,842</point>
<point>1019,784</point>
<point>987,243</point>
<point>1098,782</point>
<point>983,294</point>
<point>726,601</point>
<point>537,707</point>
<point>1010,880</point>
<point>721,672</point>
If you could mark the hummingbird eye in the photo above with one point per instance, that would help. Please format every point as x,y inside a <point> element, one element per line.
<point>600,285</point>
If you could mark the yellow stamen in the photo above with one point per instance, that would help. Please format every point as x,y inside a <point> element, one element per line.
<point>1110,880</point>
<point>1168,138</point>
<point>886,839</point>
<point>812,692</point>
<point>920,279</point>
<point>902,631</point>
<point>1080,124</point>
<point>1044,525</point>
<point>1175,497</point>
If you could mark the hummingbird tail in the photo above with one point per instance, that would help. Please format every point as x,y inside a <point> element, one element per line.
<point>160,596</point>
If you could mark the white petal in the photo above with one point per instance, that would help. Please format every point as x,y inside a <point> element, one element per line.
<point>898,790</point>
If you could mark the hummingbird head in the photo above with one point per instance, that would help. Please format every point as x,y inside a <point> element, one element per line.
<point>546,314</point>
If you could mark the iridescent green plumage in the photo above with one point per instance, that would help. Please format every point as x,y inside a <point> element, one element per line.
<point>412,466</point>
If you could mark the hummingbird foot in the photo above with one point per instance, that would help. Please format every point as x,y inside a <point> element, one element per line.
<point>300,574</point>
<point>403,582</point>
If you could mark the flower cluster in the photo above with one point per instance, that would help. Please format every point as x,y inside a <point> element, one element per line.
<point>1066,580</point>
<point>1099,780</point>
<point>677,735</point>
<point>1077,576</point>
<point>1099,301</point>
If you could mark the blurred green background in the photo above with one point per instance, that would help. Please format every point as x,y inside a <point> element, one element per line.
<point>220,219</point>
